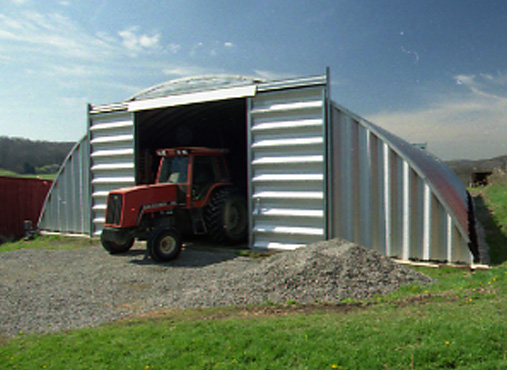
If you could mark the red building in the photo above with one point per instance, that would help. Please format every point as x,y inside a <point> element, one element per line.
<point>20,199</point>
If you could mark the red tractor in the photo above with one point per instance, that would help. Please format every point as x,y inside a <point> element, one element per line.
<point>193,194</point>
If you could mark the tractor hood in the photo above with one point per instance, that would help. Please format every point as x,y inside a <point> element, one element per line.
<point>139,200</point>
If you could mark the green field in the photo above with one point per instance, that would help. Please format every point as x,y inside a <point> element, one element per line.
<point>458,322</point>
<point>45,176</point>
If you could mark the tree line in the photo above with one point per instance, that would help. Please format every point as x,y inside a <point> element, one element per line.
<point>25,156</point>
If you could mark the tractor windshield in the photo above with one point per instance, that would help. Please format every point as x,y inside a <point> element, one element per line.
<point>173,170</point>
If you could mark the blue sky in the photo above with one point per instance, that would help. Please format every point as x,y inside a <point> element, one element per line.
<point>429,70</point>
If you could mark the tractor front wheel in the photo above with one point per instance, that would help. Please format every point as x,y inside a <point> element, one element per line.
<point>164,244</point>
<point>117,246</point>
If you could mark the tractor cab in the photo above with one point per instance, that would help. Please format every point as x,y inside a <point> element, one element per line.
<point>196,172</point>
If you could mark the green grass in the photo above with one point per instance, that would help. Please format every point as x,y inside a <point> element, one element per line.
<point>455,323</point>
<point>491,203</point>
<point>48,242</point>
<point>496,194</point>
<point>45,176</point>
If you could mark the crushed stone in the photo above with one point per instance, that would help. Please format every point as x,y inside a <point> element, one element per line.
<point>53,290</point>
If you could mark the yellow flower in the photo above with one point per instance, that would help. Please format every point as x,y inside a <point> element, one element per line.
<point>21,332</point>
<point>146,367</point>
<point>494,279</point>
<point>447,343</point>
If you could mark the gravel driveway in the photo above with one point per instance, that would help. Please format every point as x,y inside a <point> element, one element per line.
<point>52,290</point>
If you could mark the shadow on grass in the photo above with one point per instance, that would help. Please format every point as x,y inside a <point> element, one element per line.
<point>495,238</point>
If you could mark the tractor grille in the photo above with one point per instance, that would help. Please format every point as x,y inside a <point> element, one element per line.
<point>113,215</point>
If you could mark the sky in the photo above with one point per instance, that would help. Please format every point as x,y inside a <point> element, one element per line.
<point>429,71</point>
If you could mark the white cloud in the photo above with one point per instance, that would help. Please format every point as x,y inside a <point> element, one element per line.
<point>214,49</point>
<point>473,126</point>
<point>19,2</point>
<point>174,48</point>
<point>57,36</point>
<point>51,35</point>
<point>135,42</point>
<point>195,49</point>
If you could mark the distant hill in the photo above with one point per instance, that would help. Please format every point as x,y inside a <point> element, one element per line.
<point>25,156</point>
<point>464,168</point>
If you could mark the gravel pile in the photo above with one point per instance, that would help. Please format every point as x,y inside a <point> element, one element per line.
<point>325,272</point>
<point>44,291</point>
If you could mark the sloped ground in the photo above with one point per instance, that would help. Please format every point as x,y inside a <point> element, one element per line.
<point>44,290</point>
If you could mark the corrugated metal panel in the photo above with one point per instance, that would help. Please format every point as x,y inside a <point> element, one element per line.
<point>393,197</point>
<point>67,206</point>
<point>21,199</point>
<point>287,166</point>
<point>112,159</point>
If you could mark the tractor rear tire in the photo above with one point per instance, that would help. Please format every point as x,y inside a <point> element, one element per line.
<point>164,244</point>
<point>226,217</point>
<point>115,247</point>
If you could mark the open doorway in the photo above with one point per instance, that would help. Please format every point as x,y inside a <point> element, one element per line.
<point>219,124</point>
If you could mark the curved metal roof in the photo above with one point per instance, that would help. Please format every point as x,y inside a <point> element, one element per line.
<point>193,84</point>
<point>445,184</point>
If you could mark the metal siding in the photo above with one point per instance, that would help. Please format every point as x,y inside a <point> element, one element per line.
<point>335,186</point>
<point>287,167</point>
<point>364,187</point>
<point>417,240</point>
<point>427,216</point>
<point>441,250</point>
<point>66,208</point>
<point>406,208</point>
<point>112,160</point>
<point>385,200</point>
<point>346,177</point>
<point>396,205</point>
<point>379,243</point>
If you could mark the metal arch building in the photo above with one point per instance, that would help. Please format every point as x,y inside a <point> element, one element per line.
<point>312,169</point>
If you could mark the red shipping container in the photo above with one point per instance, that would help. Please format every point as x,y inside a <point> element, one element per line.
<point>20,199</point>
